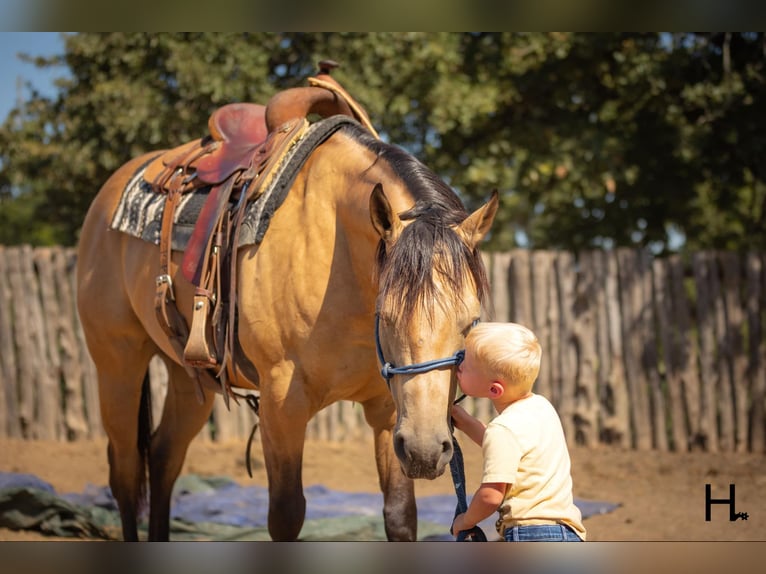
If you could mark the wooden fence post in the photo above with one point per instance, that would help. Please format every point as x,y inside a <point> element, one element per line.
<point>636,352</point>
<point>519,288</point>
<point>756,374</point>
<point>617,424</point>
<point>540,278</point>
<point>75,425</point>
<point>668,342</point>
<point>707,350</point>
<point>49,399</point>
<point>584,333</point>
<point>91,407</point>
<point>9,397</point>
<point>499,278</point>
<point>603,355</point>
<point>632,274</point>
<point>565,280</point>
<point>733,337</point>
<point>649,357</point>
<point>723,401</point>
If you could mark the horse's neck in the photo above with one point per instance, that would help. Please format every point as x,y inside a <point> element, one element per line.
<point>360,171</point>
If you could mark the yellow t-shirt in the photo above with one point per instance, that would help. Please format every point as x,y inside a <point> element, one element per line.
<point>524,446</point>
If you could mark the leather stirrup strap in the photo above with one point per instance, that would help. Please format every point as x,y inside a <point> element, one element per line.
<point>234,357</point>
<point>168,316</point>
<point>164,294</point>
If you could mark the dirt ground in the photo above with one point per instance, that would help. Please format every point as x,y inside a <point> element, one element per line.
<point>661,495</point>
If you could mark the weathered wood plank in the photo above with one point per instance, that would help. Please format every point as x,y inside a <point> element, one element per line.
<point>158,386</point>
<point>499,273</point>
<point>584,336</point>
<point>23,339</point>
<point>649,358</point>
<point>519,288</point>
<point>225,427</point>
<point>25,336</point>
<point>707,351</point>
<point>540,277</point>
<point>351,425</point>
<point>616,425</point>
<point>75,426</point>
<point>734,337</point>
<point>685,356</point>
<point>334,430</point>
<point>603,356</point>
<point>756,373</point>
<point>50,399</point>
<point>669,344</point>
<point>724,401</point>
<point>632,274</point>
<point>555,343</point>
<point>597,334</point>
<point>565,280</point>
<point>89,375</point>
<point>9,396</point>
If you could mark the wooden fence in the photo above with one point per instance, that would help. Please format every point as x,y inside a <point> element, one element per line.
<point>638,352</point>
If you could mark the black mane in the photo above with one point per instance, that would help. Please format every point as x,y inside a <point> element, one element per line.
<point>406,272</point>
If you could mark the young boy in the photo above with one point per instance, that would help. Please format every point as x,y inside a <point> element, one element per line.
<point>526,473</point>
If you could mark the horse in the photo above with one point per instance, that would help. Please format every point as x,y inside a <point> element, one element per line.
<point>370,251</point>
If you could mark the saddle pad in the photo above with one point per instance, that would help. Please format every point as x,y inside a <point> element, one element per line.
<point>139,212</point>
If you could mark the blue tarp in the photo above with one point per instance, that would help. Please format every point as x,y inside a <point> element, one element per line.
<point>219,508</point>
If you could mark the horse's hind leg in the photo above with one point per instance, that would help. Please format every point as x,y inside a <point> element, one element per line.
<point>124,412</point>
<point>182,418</point>
<point>399,509</point>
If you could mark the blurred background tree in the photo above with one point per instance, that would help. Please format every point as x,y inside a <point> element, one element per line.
<point>593,140</point>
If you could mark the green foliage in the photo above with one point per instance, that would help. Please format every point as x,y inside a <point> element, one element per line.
<point>591,139</point>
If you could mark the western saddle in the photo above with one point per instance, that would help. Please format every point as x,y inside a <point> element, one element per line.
<point>236,161</point>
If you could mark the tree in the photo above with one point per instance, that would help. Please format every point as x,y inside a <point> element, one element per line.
<point>592,139</point>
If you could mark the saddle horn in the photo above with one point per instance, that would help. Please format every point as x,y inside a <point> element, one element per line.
<point>324,96</point>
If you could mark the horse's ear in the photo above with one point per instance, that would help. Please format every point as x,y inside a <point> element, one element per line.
<point>475,226</point>
<point>384,220</point>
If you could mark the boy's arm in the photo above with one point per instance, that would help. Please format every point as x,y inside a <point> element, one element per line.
<point>484,503</point>
<point>470,425</point>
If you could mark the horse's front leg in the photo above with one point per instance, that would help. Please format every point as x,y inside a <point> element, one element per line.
<point>284,416</point>
<point>400,513</point>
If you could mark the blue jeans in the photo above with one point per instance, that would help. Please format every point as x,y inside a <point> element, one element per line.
<point>541,533</point>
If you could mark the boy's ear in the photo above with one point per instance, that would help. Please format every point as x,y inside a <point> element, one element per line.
<point>496,390</point>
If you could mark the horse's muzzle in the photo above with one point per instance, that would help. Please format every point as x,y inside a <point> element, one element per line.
<point>422,457</point>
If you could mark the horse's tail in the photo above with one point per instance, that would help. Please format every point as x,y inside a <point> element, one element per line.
<point>144,438</point>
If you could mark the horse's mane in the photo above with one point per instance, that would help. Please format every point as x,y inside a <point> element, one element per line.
<point>406,271</point>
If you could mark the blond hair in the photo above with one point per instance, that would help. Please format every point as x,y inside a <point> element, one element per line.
<point>508,352</point>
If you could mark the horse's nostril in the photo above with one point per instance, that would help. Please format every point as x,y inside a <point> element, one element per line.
<point>446,446</point>
<point>399,447</point>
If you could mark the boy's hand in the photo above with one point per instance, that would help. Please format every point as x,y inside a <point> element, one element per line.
<point>458,525</point>
<point>467,423</point>
<point>459,417</point>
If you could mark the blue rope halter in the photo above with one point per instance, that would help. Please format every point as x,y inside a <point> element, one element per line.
<point>388,370</point>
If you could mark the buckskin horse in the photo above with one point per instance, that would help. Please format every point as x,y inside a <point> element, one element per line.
<point>371,258</point>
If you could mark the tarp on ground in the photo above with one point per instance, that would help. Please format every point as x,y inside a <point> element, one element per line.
<point>217,508</point>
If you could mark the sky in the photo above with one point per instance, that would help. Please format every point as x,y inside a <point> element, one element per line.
<point>12,68</point>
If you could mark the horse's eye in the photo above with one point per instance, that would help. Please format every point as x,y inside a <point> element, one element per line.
<point>470,326</point>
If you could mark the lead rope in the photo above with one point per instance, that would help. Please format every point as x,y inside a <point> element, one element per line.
<point>457,470</point>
